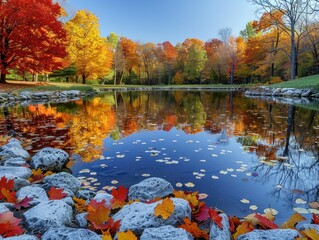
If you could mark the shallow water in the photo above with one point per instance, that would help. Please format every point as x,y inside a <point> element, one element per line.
<point>232,148</point>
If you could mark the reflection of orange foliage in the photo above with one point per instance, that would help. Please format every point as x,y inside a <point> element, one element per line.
<point>169,122</point>
<point>130,126</point>
<point>191,129</point>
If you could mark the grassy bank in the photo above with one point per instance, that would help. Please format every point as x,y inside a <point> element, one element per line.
<point>305,82</point>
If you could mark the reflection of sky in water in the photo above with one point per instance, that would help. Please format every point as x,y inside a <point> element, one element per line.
<point>221,157</point>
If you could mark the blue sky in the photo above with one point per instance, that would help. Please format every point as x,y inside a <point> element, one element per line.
<point>167,20</point>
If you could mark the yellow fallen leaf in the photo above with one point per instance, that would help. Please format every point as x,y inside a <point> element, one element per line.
<point>292,221</point>
<point>129,235</point>
<point>164,209</point>
<point>311,233</point>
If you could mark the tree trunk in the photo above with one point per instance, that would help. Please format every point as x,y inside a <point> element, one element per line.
<point>114,83</point>
<point>3,78</point>
<point>290,121</point>
<point>293,54</point>
<point>232,71</point>
<point>83,79</point>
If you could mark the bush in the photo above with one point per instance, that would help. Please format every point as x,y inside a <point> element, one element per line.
<point>274,80</point>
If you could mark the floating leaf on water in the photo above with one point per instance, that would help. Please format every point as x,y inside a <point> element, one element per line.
<point>300,201</point>
<point>215,177</point>
<point>233,175</point>
<point>301,210</point>
<point>244,200</point>
<point>248,174</point>
<point>279,186</point>
<point>314,211</point>
<point>230,169</point>
<point>271,210</point>
<point>253,207</point>
<point>120,155</point>
<point>93,173</point>
<point>114,182</point>
<point>190,184</point>
<point>223,172</point>
<point>179,184</point>
<point>202,196</point>
<point>283,158</point>
<point>202,160</point>
<point>214,155</point>
<point>297,191</point>
<point>314,205</point>
<point>85,171</point>
<point>146,175</point>
<point>239,162</point>
<point>202,170</point>
<point>288,165</point>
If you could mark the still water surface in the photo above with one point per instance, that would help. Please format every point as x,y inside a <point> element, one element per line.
<point>232,148</point>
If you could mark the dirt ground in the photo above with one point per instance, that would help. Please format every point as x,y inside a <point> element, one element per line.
<point>16,85</point>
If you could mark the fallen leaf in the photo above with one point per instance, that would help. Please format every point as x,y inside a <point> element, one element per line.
<point>202,213</point>
<point>120,193</point>
<point>243,228</point>
<point>80,204</point>
<point>215,217</point>
<point>6,184</point>
<point>8,195</point>
<point>315,219</point>
<point>23,203</point>
<point>193,229</point>
<point>56,193</point>
<point>314,205</point>
<point>99,217</point>
<point>264,222</point>
<point>9,225</point>
<point>164,209</point>
<point>292,221</point>
<point>311,233</point>
<point>129,235</point>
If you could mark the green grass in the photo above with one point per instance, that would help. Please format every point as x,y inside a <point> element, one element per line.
<point>305,82</point>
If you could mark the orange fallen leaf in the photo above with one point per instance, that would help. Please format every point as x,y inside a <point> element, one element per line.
<point>56,193</point>
<point>129,235</point>
<point>243,228</point>
<point>99,217</point>
<point>292,221</point>
<point>164,209</point>
<point>193,229</point>
<point>215,217</point>
<point>8,195</point>
<point>311,233</point>
<point>80,204</point>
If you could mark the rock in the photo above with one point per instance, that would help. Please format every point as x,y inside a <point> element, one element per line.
<point>309,226</point>
<point>274,234</point>
<point>21,172</point>
<point>3,208</point>
<point>99,197</point>
<point>55,213</point>
<point>149,189</point>
<point>306,93</point>
<point>62,180</point>
<point>16,162</point>
<point>216,233</point>
<point>52,159</point>
<point>37,194</point>
<point>139,216</point>
<point>23,237</point>
<point>81,219</point>
<point>13,149</point>
<point>18,182</point>
<point>70,234</point>
<point>165,233</point>
<point>85,194</point>
<point>68,200</point>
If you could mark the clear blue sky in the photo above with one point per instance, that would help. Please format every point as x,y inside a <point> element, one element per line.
<point>167,20</point>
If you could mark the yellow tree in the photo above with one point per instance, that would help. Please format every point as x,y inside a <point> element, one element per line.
<point>88,51</point>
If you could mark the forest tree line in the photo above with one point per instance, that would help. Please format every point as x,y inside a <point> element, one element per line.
<point>282,44</point>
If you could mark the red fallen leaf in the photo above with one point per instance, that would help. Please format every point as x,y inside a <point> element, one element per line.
<point>9,225</point>
<point>8,195</point>
<point>111,226</point>
<point>56,193</point>
<point>315,219</point>
<point>6,183</point>
<point>202,213</point>
<point>23,203</point>
<point>120,193</point>
<point>234,222</point>
<point>265,223</point>
<point>215,217</point>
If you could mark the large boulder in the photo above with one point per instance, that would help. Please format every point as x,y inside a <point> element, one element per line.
<point>139,216</point>
<point>52,159</point>
<point>165,233</point>
<point>15,162</point>
<point>21,172</point>
<point>23,237</point>
<point>85,194</point>
<point>70,234</point>
<point>37,194</point>
<point>274,234</point>
<point>13,149</point>
<point>149,189</point>
<point>18,181</point>
<point>217,233</point>
<point>54,213</point>
<point>63,180</point>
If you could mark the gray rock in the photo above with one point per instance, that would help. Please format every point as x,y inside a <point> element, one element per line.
<point>306,93</point>
<point>16,162</point>
<point>62,180</point>
<point>81,219</point>
<point>216,233</point>
<point>18,182</point>
<point>37,194</point>
<point>85,194</point>
<point>99,197</point>
<point>274,234</point>
<point>13,149</point>
<point>70,234</point>
<point>3,208</point>
<point>165,233</point>
<point>68,200</point>
<point>54,213</point>
<point>309,226</point>
<point>139,216</point>
<point>21,172</point>
<point>52,159</point>
<point>23,237</point>
<point>149,189</point>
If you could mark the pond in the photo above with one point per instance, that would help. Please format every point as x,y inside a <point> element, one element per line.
<point>246,155</point>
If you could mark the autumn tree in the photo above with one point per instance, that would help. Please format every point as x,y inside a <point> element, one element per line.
<point>28,42</point>
<point>169,57</point>
<point>213,64</point>
<point>148,56</point>
<point>296,14</point>
<point>90,53</point>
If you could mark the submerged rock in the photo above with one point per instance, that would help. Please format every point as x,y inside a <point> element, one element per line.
<point>70,234</point>
<point>52,159</point>
<point>274,234</point>
<point>165,233</point>
<point>139,216</point>
<point>54,213</point>
<point>149,189</point>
